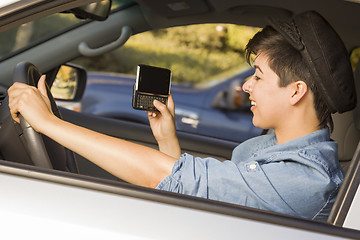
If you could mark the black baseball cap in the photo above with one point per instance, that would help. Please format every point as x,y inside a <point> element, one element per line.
<point>326,55</point>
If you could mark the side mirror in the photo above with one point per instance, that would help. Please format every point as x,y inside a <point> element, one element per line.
<point>96,11</point>
<point>68,82</point>
<point>231,98</point>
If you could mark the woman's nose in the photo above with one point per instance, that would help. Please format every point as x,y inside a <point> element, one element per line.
<point>246,87</point>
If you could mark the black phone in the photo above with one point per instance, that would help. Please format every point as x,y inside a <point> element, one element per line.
<point>151,83</point>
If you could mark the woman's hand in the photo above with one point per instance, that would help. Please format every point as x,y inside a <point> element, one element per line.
<point>31,102</point>
<point>162,124</point>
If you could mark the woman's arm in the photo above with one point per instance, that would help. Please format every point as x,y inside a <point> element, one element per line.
<point>131,162</point>
<point>163,127</point>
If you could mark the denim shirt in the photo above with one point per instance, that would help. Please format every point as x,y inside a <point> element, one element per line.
<point>300,177</point>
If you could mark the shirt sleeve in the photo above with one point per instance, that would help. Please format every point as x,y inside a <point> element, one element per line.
<point>223,181</point>
<point>245,184</point>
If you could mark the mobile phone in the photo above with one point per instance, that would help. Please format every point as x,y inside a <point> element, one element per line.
<point>151,83</point>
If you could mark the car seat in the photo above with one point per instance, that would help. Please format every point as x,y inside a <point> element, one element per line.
<point>347,134</point>
<point>347,128</point>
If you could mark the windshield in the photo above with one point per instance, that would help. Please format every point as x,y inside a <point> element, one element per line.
<point>7,2</point>
<point>29,34</point>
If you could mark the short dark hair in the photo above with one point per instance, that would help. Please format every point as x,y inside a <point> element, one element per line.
<point>289,64</point>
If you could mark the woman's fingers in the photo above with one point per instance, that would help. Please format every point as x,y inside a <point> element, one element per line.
<point>151,114</point>
<point>42,86</point>
<point>18,95</point>
<point>163,109</point>
<point>31,102</point>
<point>171,105</point>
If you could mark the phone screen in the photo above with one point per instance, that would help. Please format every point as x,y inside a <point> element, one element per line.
<point>153,80</point>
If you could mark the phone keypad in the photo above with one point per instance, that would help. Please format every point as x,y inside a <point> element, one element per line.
<point>146,101</point>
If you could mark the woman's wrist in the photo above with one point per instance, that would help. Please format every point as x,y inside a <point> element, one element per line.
<point>170,146</point>
<point>49,124</point>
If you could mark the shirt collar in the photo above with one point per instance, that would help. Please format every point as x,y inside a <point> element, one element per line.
<point>321,135</point>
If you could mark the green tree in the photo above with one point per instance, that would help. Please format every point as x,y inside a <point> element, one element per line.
<point>238,36</point>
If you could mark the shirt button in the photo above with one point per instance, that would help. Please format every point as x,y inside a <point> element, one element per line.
<point>252,166</point>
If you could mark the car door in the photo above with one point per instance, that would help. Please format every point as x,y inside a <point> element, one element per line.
<point>226,113</point>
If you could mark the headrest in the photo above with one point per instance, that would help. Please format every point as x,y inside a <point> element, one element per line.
<point>326,55</point>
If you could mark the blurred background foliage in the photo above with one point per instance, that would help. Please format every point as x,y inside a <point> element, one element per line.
<point>194,53</point>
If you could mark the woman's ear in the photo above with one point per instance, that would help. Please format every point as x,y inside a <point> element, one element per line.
<point>298,90</point>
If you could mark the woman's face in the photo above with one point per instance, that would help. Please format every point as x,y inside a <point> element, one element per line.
<point>269,101</point>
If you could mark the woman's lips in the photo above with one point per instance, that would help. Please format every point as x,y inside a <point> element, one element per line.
<point>253,105</point>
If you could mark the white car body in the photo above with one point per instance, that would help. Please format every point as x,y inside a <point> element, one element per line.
<point>49,206</point>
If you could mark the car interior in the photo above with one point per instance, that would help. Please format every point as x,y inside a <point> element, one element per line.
<point>143,15</point>
<point>347,134</point>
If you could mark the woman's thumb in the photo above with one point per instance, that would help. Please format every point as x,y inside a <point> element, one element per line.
<point>42,85</point>
<point>161,107</point>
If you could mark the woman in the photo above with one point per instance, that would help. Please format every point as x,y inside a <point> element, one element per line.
<point>292,171</point>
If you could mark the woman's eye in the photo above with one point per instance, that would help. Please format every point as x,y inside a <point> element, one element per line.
<point>256,77</point>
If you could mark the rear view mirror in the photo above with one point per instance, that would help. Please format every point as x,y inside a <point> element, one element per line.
<point>69,83</point>
<point>96,11</point>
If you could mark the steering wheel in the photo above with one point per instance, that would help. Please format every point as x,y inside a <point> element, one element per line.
<point>43,151</point>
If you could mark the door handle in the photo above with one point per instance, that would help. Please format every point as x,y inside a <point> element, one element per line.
<point>85,50</point>
<point>190,121</point>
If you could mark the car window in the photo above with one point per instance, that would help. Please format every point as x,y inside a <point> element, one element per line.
<point>195,54</point>
<point>29,34</point>
<point>206,61</point>
<point>354,57</point>
<point>7,2</point>
<point>208,69</point>
<point>120,3</point>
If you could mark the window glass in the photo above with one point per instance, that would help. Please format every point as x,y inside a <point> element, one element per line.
<point>120,3</point>
<point>28,34</point>
<point>195,54</point>
<point>354,57</point>
<point>208,69</point>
